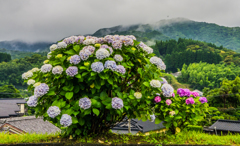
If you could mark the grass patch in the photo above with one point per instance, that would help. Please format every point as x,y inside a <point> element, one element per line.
<point>188,137</point>
<point>174,82</point>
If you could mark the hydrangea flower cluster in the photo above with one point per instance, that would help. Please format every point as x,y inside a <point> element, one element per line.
<point>157,99</point>
<point>167,90</point>
<point>31,82</point>
<point>61,45</point>
<point>195,94</point>
<point>86,52</point>
<point>35,69</point>
<point>66,120</point>
<point>138,95</point>
<point>172,113</point>
<point>128,41</point>
<point>85,103</point>
<point>117,103</point>
<point>57,70</point>
<point>36,84</point>
<point>162,66</point>
<point>97,67</point>
<point>183,92</point>
<point>49,55</point>
<point>53,47</point>
<point>152,117</point>
<point>46,68</point>
<point>32,101</point>
<point>110,65</point>
<point>190,101</point>
<point>118,58</point>
<point>121,69</point>
<point>142,45</point>
<point>41,90</point>
<point>156,60</point>
<point>164,81</point>
<point>102,53</point>
<point>27,75</point>
<point>89,41</point>
<point>168,102</point>
<point>53,111</point>
<point>203,99</point>
<point>108,48</point>
<point>74,39</point>
<point>155,83</point>
<point>117,44</point>
<point>148,50</point>
<point>72,71</point>
<point>75,59</point>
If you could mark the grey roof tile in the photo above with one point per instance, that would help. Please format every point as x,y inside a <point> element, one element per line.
<point>9,107</point>
<point>226,125</point>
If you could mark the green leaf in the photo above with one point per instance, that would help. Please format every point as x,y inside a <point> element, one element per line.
<point>76,48</point>
<point>177,117</point>
<point>70,52</point>
<point>103,95</point>
<point>76,89</point>
<point>51,93</point>
<point>74,120</point>
<point>78,76</point>
<point>87,112</point>
<point>146,84</point>
<point>84,74</point>
<point>81,121</point>
<point>96,111</point>
<point>69,95</point>
<point>110,81</point>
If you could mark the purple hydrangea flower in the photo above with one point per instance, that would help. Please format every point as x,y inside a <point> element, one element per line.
<point>117,44</point>
<point>32,101</point>
<point>85,103</point>
<point>41,90</point>
<point>109,39</point>
<point>131,37</point>
<point>117,103</point>
<point>53,111</point>
<point>152,117</point>
<point>164,81</point>
<point>190,101</point>
<point>183,92</point>
<point>66,120</point>
<point>161,66</point>
<point>203,99</point>
<point>72,71</point>
<point>75,59</point>
<point>168,102</point>
<point>128,42</point>
<point>142,45</point>
<point>84,54</point>
<point>167,90</point>
<point>100,40</point>
<point>121,69</point>
<point>97,67</point>
<point>110,65</point>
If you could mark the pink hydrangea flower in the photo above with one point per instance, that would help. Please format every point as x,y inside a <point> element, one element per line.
<point>173,95</point>
<point>190,101</point>
<point>157,99</point>
<point>195,94</point>
<point>168,102</point>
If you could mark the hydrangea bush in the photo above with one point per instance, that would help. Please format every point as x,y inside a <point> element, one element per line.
<point>88,84</point>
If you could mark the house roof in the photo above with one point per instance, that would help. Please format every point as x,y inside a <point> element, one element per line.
<point>139,125</point>
<point>30,124</point>
<point>226,125</point>
<point>9,107</point>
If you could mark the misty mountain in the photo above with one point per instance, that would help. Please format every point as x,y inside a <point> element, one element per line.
<point>24,46</point>
<point>180,27</point>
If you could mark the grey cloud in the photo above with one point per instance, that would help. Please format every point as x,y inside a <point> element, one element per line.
<point>51,20</point>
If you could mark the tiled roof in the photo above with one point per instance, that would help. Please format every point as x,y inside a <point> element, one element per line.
<point>150,126</point>
<point>9,107</point>
<point>31,124</point>
<point>226,125</point>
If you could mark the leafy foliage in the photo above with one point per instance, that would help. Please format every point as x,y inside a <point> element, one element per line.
<point>9,91</point>
<point>5,57</point>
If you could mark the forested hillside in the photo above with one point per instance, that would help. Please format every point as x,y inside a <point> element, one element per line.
<point>15,54</point>
<point>5,57</point>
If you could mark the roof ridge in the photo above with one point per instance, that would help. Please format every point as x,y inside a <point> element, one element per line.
<point>22,118</point>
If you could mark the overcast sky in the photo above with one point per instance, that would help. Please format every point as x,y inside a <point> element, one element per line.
<point>52,20</point>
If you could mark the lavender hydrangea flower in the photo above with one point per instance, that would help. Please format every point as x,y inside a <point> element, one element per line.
<point>100,40</point>
<point>110,65</point>
<point>109,39</point>
<point>162,66</point>
<point>41,90</point>
<point>118,58</point>
<point>72,71</point>
<point>97,67</point>
<point>131,37</point>
<point>75,59</point>
<point>46,68</point>
<point>152,117</point>
<point>117,103</point>
<point>91,49</point>
<point>121,69</point>
<point>53,111</point>
<point>156,60</point>
<point>32,101</point>
<point>85,103</point>
<point>80,39</point>
<point>128,42</point>
<point>148,50</point>
<point>190,101</point>
<point>167,90</point>
<point>66,120</point>
<point>57,70</point>
<point>61,45</point>
<point>84,54</point>
<point>117,44</point>
<point>155,83</point>
<point>183,92</point>
<point>142,45</point>
<point>203,99</point>
<point>164,81</point>
<point>102,53</point>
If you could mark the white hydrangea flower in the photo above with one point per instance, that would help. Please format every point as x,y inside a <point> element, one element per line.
<point>61,45</point>
<point>161,66</point>
<point>155,83</point>
<point>138,95</point>
<point>102,53</point>
<point>57,70</point>
<point>89,41</point>
<point>46,68</point>
<point>148,50</point>
<point>49,55</point>
<point>27,75</point>
<point>53,47</point>
<point>156,60</point>
<point>35,69</point>
<point>31,82</point>
<point>118,58</point>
